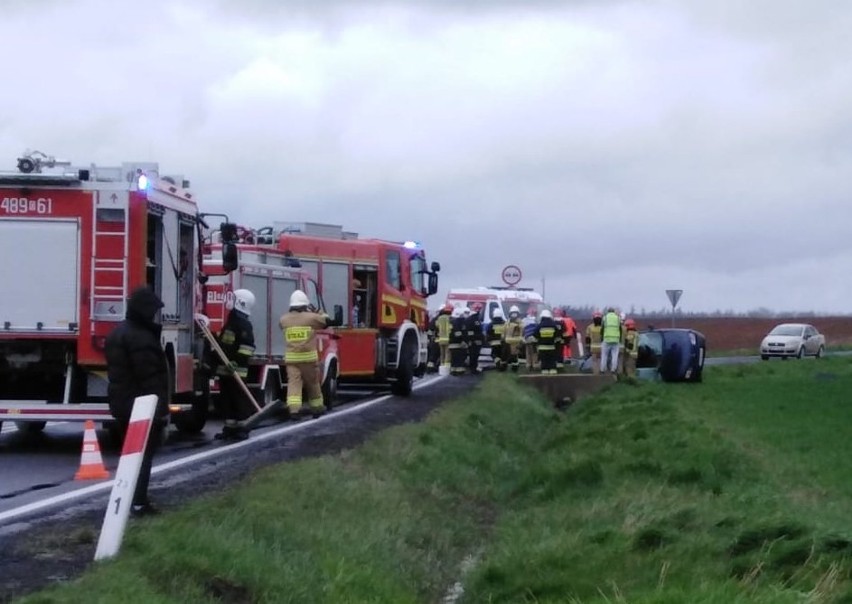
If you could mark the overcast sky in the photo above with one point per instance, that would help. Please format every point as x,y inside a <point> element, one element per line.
<point>612,150</point>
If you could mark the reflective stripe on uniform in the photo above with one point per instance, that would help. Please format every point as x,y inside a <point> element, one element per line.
<point>301,357</point>
<point>245,350</point>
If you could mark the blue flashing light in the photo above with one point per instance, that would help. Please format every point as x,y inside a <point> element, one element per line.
<point>142,182</point>
<point>411,245</point>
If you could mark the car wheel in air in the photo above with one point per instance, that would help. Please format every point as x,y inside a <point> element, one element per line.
<point>801,354</point>
<point>821,352</point>
<point>764,357</point>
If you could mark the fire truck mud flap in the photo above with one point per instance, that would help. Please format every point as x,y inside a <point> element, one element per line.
<point>563,390</point>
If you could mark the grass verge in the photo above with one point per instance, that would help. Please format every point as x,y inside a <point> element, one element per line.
<point>735,490</point>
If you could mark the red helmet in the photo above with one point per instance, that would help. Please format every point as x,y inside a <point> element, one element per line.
<point>531,312</point>
<point>447,307</point>
<point>597,314</point>
<point>558,312</point>
<point>630,324</point>
<point>476,307</point>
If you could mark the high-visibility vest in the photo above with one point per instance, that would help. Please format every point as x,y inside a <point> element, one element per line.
<point>611,328</point>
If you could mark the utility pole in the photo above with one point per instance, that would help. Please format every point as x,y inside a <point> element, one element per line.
<point>543,288</point>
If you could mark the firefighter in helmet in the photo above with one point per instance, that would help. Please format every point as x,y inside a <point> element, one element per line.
<point>301,358</point>
<point>569,332</point>
<point>440,329</point>
<point>594,337</point>
<point>494,336</point>
<point>546,334</point>
<point>458,341</point>
<point>237,342</point>
<point>513,336</point>
<point>475,337</point>
<point>529,324</point>
<point>631,347</point>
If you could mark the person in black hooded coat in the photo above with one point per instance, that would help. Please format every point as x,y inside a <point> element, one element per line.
<point>136,366</point>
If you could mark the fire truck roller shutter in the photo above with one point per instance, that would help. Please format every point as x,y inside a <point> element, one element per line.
<point>259,286</point>
<point>281,289</point>
<point>335,289</point>
<point>41,273</point>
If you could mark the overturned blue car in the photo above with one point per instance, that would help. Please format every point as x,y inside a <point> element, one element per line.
<point>671,355</point>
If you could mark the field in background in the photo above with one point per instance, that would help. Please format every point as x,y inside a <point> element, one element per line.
<point>736,333</point>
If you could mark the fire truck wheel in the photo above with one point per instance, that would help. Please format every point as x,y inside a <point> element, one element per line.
<point>329,387</point>
<point>30,427</point>
<point>405,372</point>
<point>193,421</point>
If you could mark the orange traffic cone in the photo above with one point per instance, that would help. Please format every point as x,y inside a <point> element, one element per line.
<point>91,462</point>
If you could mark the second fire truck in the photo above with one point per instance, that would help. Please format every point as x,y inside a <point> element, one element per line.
<point>378,290</point>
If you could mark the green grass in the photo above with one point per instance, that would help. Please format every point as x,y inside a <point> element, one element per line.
<point>734,490</point>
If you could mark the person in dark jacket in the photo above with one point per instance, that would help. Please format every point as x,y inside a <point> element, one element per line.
<point>475,337</point>
<point>137,366</point>
<point>237,342</point>
<point>547,336</point>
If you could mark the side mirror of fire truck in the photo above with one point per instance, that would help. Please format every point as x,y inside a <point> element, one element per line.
<point>433,283</point>
<point>436,267</point>
<point>338,315</point>
<point>230,257</point>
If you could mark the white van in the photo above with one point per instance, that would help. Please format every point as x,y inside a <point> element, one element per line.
<point>497,297</point>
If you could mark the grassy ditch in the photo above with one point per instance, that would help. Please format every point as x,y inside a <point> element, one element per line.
<point>735,490</point>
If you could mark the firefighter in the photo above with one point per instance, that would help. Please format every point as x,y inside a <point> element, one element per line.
<point>631,347</point>
<point>237,342</point>
<point>301,358</point>
<point>494,335</point>
<point>458,342</point>
<point>513,337</point>
<point>546,334</point>
<point>594,333</point>
<point>442,334</point>
<point>475,337</point>
<point>569,333</point>
<point>611,341</point>
<point>433,350</point>
<point>529,324</point>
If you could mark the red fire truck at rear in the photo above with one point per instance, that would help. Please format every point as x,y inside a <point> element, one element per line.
<point>75,242</point>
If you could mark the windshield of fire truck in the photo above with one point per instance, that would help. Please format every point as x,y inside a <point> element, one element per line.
<point>419,275</point>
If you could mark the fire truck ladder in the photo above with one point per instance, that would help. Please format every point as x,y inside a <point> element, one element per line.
<point>109,270</point>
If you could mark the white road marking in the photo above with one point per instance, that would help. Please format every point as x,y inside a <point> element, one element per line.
<point>105,486</point>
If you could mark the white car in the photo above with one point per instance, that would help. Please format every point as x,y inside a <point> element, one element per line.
<point>792,340</point>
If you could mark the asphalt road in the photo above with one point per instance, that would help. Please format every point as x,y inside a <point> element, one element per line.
<point>37,470</point>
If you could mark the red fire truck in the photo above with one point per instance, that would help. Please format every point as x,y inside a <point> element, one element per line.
<point>75,242</point>
<point>379,287</point>
<point>272,280</point>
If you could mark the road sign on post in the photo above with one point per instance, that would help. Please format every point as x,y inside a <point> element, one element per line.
<point>674,297</point>
<point>511,275</point>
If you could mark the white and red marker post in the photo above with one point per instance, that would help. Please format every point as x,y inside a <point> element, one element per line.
<point>126,476</point>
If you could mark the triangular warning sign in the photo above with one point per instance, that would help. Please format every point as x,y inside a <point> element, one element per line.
<point>674,296</point>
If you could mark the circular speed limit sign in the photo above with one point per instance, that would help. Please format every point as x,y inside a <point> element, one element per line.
<point>511,275</point>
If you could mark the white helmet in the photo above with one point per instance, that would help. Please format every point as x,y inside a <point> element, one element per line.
<point>457,312</point>
<point>514,309</point>
<point>546,314</point>
<point>497,312</point>
<point>298,298</point>
<point>466,311</point>
<point>243,301</point>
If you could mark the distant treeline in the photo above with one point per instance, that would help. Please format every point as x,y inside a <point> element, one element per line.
<point>585,312</point>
